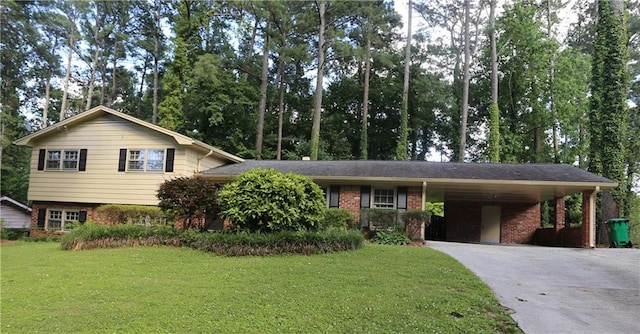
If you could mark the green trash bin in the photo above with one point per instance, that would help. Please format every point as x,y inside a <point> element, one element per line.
<point>619,232</point>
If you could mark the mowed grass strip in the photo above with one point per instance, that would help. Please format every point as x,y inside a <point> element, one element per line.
<point>375,289</point>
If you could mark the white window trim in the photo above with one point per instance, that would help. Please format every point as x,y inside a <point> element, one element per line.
<point>61,160</point>
<point>373,196</point>
<point>63,219</point>
<point>145,161</point>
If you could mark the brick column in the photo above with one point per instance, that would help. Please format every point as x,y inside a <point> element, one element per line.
<point>587,233</point>
<point>559,220</point>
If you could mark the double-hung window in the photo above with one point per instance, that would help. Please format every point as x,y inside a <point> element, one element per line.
<point>383,198</point>
<point>146,160</point>
<point>68,159</point>
<point>136,160</point>
<point>60,220</point>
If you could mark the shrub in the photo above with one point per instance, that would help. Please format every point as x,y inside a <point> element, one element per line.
<point>91,235</point>
<point>120,214</point>
<point>189,200</point>
<point>382,219</point>
<point>9,234</point>
<point>298,242</point>
<point>265,200</point>
<point>337,219</point>
<point>391,238</point>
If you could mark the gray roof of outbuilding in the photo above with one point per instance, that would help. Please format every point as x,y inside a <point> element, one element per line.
<point>417,170</point>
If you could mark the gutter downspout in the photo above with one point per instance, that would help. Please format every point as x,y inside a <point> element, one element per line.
<point>200,159</point>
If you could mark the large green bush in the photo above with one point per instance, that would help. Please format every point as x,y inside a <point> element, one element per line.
<point>189,199</point>
<point>265,200</point>
<point>338,219</point>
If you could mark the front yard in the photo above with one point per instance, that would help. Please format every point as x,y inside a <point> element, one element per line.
<point>162,289</point>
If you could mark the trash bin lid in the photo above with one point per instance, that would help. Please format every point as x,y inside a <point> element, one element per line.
<point>618,220</point>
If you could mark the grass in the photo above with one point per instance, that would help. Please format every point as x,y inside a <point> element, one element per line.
<point>377,289</point>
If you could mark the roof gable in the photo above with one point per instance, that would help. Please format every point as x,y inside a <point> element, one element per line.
<point>14,203</point>
<point>100,110</point>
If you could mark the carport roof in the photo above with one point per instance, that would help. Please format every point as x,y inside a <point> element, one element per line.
<point>445,180</point>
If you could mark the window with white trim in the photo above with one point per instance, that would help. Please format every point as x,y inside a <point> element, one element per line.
<point>136,160</point>
<point>66,159</point>
<point>53,159</point>
<point>155,160</point>
<point>60,220</point>
<point>145,160</point>
<point>383,198</point>
<point>70,161</point>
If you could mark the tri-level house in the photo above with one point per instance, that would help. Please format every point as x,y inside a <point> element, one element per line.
<point>103,156</point>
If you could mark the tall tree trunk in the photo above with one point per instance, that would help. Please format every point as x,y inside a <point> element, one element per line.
<point>114,89</point>
<point>156,56</point>
<point>364,139</point>
<point>401,147</point>
<point>494,134</point>
<point>67,76</point>
<point>280,106</point>
<point>47,97</point>
<point>262,105</point>
<point>250,45</point>
<point>94,64</point>
<point>552,102</point>
<point>141,89</point>
<point>317,96</point>
<point>465,84</point>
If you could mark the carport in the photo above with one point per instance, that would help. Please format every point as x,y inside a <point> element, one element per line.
<point>492,203</point>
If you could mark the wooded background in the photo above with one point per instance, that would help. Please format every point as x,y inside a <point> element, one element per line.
<point>480,81</point>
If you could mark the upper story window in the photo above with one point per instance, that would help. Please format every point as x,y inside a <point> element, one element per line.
<point>155,161</point>
<point>149,160</point>
<point>67,159</point>
<point>383,198</point>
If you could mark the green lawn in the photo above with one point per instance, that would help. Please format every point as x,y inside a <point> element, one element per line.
<point>376,289</point>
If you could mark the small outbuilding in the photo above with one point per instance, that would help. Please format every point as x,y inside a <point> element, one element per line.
<point>14,214</point>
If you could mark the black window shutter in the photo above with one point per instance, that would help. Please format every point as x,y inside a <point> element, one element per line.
<point>82,216</point>
<point>334,196</point>
<point>122,161</point>
<point>42,215</point>
<point>171,152</point>
<point>402,198</point>
<point>41,156</point>
<point>82,165</point>
<point>365,196</point>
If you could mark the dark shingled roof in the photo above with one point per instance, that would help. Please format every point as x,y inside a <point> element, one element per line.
<point>417,170</point>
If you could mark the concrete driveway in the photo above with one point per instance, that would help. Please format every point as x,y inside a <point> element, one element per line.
<point>559,290</point>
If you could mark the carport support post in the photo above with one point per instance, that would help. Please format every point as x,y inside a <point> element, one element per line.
<point>559,220</point>
<point>588,234</point>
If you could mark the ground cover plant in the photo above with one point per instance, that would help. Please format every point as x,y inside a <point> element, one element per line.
<point>91,235</point>
<point>375,289</point>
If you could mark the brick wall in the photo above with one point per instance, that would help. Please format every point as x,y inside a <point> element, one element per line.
<point>36,206</point>
<point>350,200</point>
<point>462,221</point>
<point>414,198</point>
<point>519,222</point>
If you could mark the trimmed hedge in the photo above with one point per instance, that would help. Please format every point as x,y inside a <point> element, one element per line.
<point>113,214</point>
<point>91,236</point>
<point>338,219</point>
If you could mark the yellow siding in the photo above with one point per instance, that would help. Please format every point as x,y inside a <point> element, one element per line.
<point>103,137</point>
